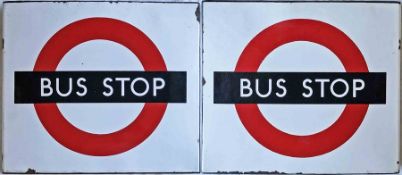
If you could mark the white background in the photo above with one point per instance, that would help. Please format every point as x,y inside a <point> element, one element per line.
<point>1,32</point>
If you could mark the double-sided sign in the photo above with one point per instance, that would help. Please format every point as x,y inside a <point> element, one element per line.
<point>306,91</point>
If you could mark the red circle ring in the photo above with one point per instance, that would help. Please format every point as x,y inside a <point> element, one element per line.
<point>105,29</point>
<point>301,30</point>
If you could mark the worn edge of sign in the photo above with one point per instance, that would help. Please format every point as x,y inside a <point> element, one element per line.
<point>103,1</point>
<point>199,17</point>
<point>309,1</point>
<point>2,89</point>
<point>399,90</point>
<point>2,16</point>
<point>172,1</point>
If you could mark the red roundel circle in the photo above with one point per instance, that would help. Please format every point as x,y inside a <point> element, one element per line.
<point>53,120</point>
<point>301,30</point>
